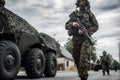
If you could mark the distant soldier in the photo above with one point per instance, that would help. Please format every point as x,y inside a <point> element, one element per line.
<point>2,3</point>
<point>105,62</point>
<point>97,66</point>
<point>80,43</point>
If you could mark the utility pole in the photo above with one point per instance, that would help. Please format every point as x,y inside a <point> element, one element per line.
<point>54,35</point>
<point>119,48</point>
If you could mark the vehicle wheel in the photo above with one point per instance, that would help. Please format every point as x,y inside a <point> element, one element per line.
<point>35,63</point>
<point>51,65</point>
<point>10,60</point>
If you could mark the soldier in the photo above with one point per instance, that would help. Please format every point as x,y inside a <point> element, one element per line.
<point>2,3</point>
<point>105,62</point>
<point>80,43</point>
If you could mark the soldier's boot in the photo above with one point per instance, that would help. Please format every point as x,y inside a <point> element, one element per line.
<point>83,78</point>
<point>103,73</point>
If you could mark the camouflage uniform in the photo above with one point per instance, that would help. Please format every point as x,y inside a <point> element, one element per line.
<point>105,62</point>
<point>80,44</point>
<point>2,3</point>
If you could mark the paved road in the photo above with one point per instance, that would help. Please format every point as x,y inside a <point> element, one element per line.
<point>65,75</point>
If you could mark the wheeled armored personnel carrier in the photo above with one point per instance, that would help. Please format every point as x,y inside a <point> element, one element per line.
<point>22,46</point>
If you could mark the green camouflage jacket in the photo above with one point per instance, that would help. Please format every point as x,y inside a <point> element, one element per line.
<point>90,21</point>
<point>105,60</point>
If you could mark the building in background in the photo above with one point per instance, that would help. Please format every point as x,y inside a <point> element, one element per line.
<point>65,60</point>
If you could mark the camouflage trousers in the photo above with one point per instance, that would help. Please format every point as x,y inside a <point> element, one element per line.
<point>80,55</point>
<point>105,67</point>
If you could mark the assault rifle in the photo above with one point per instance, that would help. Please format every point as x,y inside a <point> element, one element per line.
<point>81,27</point>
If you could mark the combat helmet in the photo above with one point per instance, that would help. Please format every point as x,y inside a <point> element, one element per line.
<point>104,52</point>
<point>83,4</point>
<point>2,2</point>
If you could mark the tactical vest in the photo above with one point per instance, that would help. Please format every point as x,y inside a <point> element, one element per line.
<point>86,17</point>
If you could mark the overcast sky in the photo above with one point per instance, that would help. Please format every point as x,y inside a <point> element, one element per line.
<point>50,16</point>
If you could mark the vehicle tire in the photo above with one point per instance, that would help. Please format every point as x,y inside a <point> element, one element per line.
<point>10,60</point>
<point>51,65</point>
<point>35,63</point>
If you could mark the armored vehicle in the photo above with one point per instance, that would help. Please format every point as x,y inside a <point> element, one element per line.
<point>22,46</point>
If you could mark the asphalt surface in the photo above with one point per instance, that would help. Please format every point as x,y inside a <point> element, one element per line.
<point>67,75</point>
